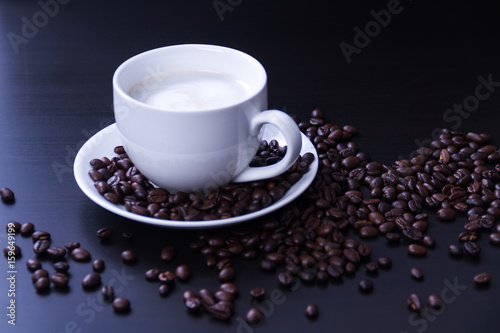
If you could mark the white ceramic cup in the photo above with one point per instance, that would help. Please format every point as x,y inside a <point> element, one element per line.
<point>197,140</point>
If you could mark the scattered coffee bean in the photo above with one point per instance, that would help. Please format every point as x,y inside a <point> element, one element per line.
<point>164,289</point>
<point>221,310</point>
<point>472,249</point>
<point>33,264</point>
<point>258,293</point>
<point>127,235</point>
<point>435,301</point>
<point>167,254</point>
<point>108,293</point>
<point>104,233</point>
<point>230,288</point>
<point>183,273</point>
<point>366,285</point>
<point>384,262</point>
<point>128,256</point>
<point>7,195</point>
<point>482,279</point>
<point>152,274</point>
<point>494,238</point>
<point>42,283</point>
<point>121,305</point>
<point>80,255</point>
<point>12,251</point>
<point>227,274</point>
<point>40,247</point>
<point>312,311</point>
<point>414,303</point>
<point>27,229</point>
<point>56,252</point>
<point>417,250</point>
<point>40,235</point>
<point>254,317</point>
<point>98,265</point>
<point>167,277</point>
<point>39,273</point>
<point>91,280</point>
<point>71,246</point>
<point>417,273</point>
<point>61,266</point>
<point>455,250</point>
<point>60,280</point>
<point>193,304</point>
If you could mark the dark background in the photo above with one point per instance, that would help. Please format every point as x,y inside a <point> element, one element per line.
<point>55,92</point>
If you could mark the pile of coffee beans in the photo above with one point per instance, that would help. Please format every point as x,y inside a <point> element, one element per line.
<point>120,182</point>
<point>309,241</point>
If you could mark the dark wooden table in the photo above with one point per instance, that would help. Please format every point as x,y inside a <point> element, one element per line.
<point>397,70</point>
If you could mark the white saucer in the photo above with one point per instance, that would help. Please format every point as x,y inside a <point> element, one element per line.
<point>103,143</point>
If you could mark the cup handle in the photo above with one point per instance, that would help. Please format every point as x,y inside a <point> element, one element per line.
<point>287,126</point>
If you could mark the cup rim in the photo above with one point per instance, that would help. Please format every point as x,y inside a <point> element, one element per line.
<point>117,87</point>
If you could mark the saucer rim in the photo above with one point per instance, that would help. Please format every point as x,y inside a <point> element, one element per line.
<point>104,142</point>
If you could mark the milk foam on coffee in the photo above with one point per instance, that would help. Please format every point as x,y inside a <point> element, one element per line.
<point>190,90</point>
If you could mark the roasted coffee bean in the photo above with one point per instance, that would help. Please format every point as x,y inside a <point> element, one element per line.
<point>121,305</point>
<point>414,303</point>
<point>167,277</point>
<point>455,251</point>
<point>482,279</point>
<point>61,266</point>
<point>221,295</point>
<point>429,241</point>
<point>384,262</point>
<point>71,246</point>
<point>56,253</point>
<point>368,232</point>
<point>258,293</point>
<point>7,195</point>
<point>98,265</point>
<point>12,251</point>
<point>27,229</point>
<point>33,264</point>
<point>446,214</point>
<point>312,311</point>
<point>472,249</point>
<point>108,293</point>
<point>128,256</point>
<point>167,254</point>
<point>286,279</point>
<point>366,285</point>
<point>152,274</point>
<point>91,280</point>
<point>40,235</point>
<point>417,250</point>
<point>182,272</point>
<point>40,247</point>
<point>80,255</point>
<point>42,284</point>
<point>230,288</point>
<point>39,273</point>
<point>417,273</point>
<point>104,233</point>
<point>435,301</point>
<point>372,267</point>
<point>221,310</point>
<point>227,274</point>
<point>494,238</point>
<point>164,289</point>
<point>254,317</point>
<point>268,265</point>
<point>60,280</point>
<point>193,304</point>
